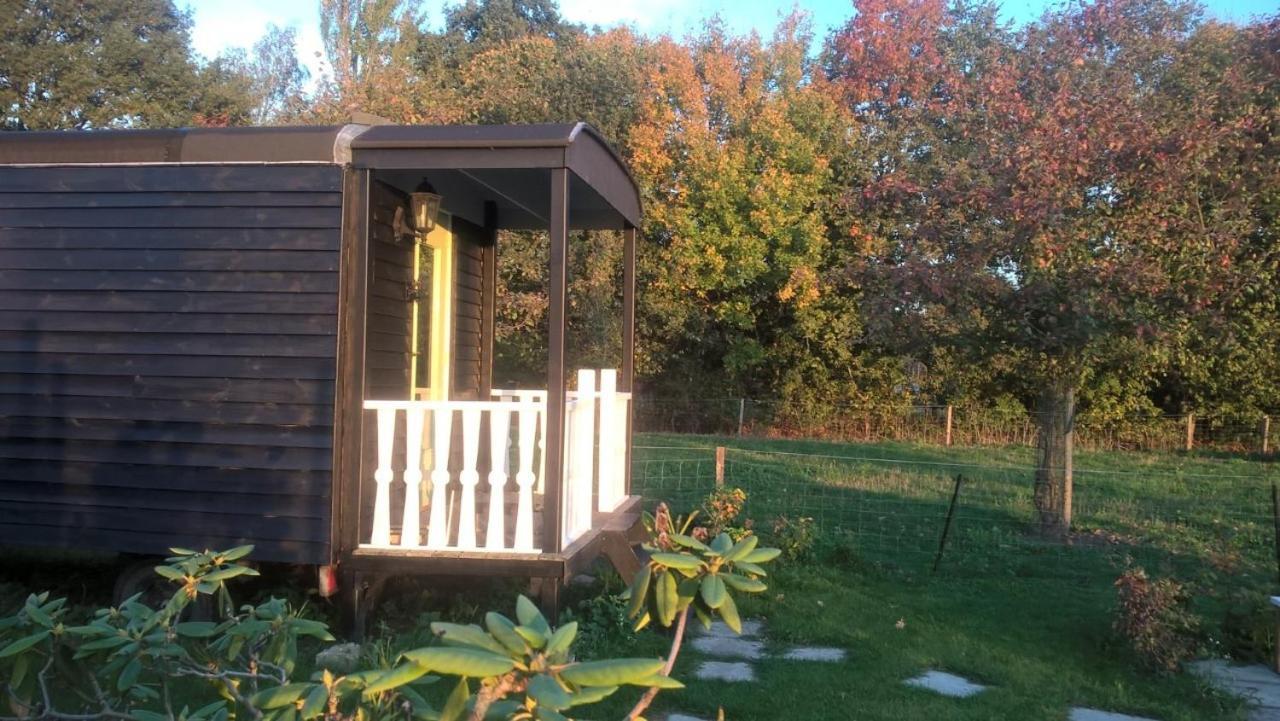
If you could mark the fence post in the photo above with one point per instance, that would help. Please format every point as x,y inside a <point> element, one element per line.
<point>1266,434</point>
<point>948,437</point>
<point>1191,432</point>
<point>742,414</point>
<point>719,466</point>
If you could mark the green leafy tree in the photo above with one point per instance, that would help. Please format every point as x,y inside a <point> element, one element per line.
<point>66,64</point>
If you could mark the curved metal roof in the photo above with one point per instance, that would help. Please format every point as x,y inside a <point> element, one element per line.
<point>499,162</point>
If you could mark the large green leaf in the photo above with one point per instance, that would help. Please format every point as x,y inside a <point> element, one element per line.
<point>591,694</point>
<point>461,661</point>
<point>762,555</point>
<point>742,583</point>
<point>666,598</point>
<point>23,644</point>
<point>532,636</point>
<point>639,589</point>
<point>729,612</point>
<point>689,542</point>
<point>528,614</point>
<point>613,672</point>
<point>658,680</point>
<point>456,705</point>
<point>129,674</point>
<point>742,548</point>
<point>548,692</point>
<point>398,676</point>
<point>678,560</point>
<point>721,544</point>
<point>195,629</point>
<point>713,591</point>
<point>316,703</point>
<point>562,638</point>
<point>456,634</point>
<point>504,630</point>
<point>279,696</point>
<point>748,567</point>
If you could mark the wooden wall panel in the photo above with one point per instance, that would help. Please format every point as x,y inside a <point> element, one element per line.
<point>468,310</point>
<point>167,352</point>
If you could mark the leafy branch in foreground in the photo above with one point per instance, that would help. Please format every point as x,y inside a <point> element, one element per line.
<point>138,663</point>
<point>684,574</point>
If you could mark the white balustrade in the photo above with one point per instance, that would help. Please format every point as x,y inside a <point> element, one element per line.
<point>447,470</point>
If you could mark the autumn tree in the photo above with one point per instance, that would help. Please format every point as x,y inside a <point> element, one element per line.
<point>732,149</point>
<point>1061,236</point>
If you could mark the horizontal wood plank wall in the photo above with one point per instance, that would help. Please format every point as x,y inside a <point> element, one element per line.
<point>468,354</point>
<point>167,357</point>
<point>390,283</point>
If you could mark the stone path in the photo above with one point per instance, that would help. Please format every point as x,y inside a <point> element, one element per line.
<point>730,656</point>
<point>1257,683</point>
<point>1079,713</point>
<point>947,684</point>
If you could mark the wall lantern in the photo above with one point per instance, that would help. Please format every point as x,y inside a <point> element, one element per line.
<point>426,210</point>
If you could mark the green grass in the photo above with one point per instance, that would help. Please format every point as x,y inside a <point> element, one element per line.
<point>1030,618</point>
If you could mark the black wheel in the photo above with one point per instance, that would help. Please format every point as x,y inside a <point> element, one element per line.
<point>140,577</point>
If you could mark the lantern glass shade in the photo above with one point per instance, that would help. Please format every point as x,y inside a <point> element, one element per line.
<point>426,208</point>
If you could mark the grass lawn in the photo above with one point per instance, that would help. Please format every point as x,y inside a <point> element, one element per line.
<point>1029,618</point>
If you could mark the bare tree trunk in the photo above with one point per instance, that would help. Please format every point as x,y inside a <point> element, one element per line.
<point>1055,419</point>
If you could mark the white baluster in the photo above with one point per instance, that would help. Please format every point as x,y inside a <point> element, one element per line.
<point>383,476</point>
<point>525,479</point>
<point>469,478</point>
<point>410,533</point>
<point>437,526</point>
<point>610,492</point>
<point>581,476</point>
<point>499,431</point>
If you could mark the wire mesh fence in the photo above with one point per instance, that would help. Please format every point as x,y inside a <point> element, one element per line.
<point>892,510</point>
<point>956,425</point>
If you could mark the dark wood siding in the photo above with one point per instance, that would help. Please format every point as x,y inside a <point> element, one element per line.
<point>468,354</point>
<point>388,334</point>
<point>167,354</point>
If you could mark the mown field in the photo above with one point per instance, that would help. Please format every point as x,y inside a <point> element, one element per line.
<point>1030,618</point>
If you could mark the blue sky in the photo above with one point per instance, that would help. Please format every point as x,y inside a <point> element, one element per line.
<point>220,24</point>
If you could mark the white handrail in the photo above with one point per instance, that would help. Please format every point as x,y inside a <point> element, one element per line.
<point>443,442</point>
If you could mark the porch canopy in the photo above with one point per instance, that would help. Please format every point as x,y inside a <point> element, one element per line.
<point>552,177</point>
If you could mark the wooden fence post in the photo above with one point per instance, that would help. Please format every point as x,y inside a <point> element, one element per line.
<point>742,414</point>
<point>948,437</point>
<point>1266,434</point>
<point>719,466</point>
<point>1191,432</point>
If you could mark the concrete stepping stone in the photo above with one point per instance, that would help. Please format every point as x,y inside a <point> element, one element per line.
<point>729,647</point>
<point>947,684</point>
<point>718,629</point>
<point>1258,684</point>
<point>823,654</point>
<point>1080,713</point>
<point>733,671</point>
<point>678,717</point>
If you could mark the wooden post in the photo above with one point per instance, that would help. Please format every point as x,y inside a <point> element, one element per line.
<point>947,442</point>
<point>553,433</point>
<point>719,466</point>
<point>1191,432</point>
<point>628,343</point>
<point>742,414</point>
<point>1266,434</point>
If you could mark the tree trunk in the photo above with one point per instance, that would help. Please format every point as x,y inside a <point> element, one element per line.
<point>1055,419</point>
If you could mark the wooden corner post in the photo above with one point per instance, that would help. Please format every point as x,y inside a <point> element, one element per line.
<point>553,432</point>
<point>629,342</point>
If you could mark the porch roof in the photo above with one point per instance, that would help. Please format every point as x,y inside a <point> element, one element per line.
<point>508,166</point>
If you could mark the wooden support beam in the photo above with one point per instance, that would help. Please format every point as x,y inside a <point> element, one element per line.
<point>552,499</point>
<point>628,342</point>
<point>348,433</point>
